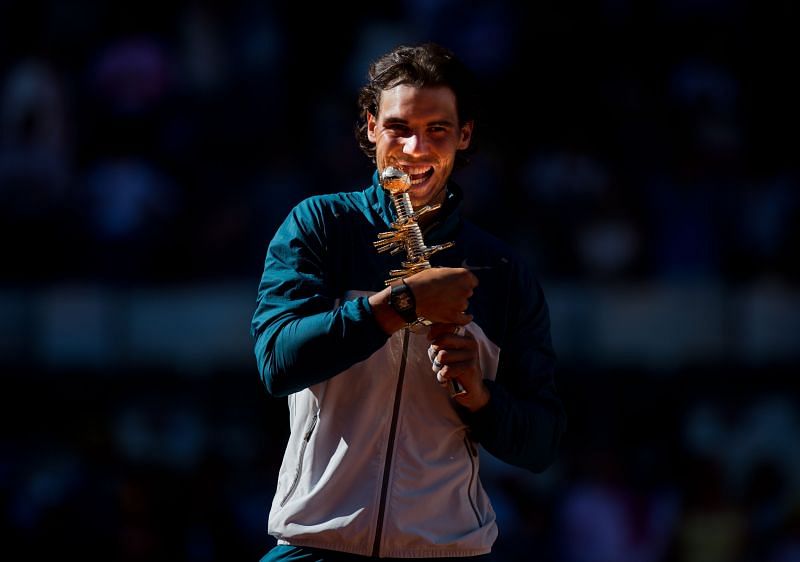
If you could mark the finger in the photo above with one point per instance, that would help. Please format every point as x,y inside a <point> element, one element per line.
<point>454,371</point>
<point>444,375</point>
<point>458,368</point>
<point>453,356</point>
<point>449,372</point>
<point>452,341</point>
<point>463,319</point>
<point>442,328</point>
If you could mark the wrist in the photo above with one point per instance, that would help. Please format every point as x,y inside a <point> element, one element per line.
<point>385,316</point>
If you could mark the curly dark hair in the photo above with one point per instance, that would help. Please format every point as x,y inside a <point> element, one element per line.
<point>423,65</point>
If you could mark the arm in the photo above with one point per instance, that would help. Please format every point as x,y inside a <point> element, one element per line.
<point>301,337</point>
<point>523,420</point>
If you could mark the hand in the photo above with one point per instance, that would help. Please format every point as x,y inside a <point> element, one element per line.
<point>442,294</point>
<point>456,357</point>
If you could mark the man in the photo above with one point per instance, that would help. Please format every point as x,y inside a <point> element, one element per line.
<point>382,459</point>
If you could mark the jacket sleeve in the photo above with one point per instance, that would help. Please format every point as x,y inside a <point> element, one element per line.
<point>524,419</point>
<point>302,334</point>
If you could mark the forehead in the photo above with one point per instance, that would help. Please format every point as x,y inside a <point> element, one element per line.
<point>408,102</point>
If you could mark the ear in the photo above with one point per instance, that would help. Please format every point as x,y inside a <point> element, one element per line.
<point>371,127</point>
<point>466,135</point>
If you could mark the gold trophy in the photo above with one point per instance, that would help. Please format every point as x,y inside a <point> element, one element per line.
<point>407,235</point>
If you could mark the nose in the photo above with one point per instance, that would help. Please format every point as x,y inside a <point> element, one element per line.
<point>413,144</point>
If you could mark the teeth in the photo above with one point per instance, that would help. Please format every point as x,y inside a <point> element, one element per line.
<point>415,170</point>
<point>418,171</point>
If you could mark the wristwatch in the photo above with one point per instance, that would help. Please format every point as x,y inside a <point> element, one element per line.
<point>403,303</point>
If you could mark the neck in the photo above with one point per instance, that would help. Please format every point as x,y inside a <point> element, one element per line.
<point>430,217</point>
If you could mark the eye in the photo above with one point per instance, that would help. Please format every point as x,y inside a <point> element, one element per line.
<point>396,130</point>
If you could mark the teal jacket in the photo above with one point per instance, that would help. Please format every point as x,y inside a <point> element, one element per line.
<point>375,442</point>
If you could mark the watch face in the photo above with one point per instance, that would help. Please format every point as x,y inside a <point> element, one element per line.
<point>403,301</point>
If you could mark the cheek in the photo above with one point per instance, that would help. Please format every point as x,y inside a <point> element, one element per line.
<point>385,144</point>
<point>447,156</point>
<point>381,154</point>
<point>446,149</point>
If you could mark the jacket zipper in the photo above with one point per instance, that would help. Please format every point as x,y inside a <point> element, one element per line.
<point>472,453</point>
<point>376,547</point>
<point>306,439</point>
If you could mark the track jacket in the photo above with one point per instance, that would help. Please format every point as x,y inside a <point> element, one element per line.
<point>380,460</point>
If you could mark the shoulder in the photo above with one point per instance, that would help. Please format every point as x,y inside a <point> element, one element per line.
<point>317,211</point>
<point>312,220</point>
<point>330,205</point>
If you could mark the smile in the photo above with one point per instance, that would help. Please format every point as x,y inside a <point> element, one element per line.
<point>419,173</point>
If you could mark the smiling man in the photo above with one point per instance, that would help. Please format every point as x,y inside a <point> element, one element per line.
<point>418,131</point>
<point>383,461</point>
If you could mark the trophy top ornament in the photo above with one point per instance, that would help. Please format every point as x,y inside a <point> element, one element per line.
<point>395,180</point>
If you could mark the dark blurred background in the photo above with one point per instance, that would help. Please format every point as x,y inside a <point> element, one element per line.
<point>643,156</point>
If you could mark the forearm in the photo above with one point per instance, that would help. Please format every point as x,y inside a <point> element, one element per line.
<point>522,432</point>
<point>297,352</point>
<point>384,315</point>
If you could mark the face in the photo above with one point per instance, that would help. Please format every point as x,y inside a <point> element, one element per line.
<point>417,130</point>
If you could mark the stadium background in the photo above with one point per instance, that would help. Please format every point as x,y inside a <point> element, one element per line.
<point>644,158</point>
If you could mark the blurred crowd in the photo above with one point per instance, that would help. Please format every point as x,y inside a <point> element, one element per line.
<point>167,143</point>
<point>163,466</point>
<point>622,144</point>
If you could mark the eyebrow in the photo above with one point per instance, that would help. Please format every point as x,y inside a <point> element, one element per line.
<point>437,123</point>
